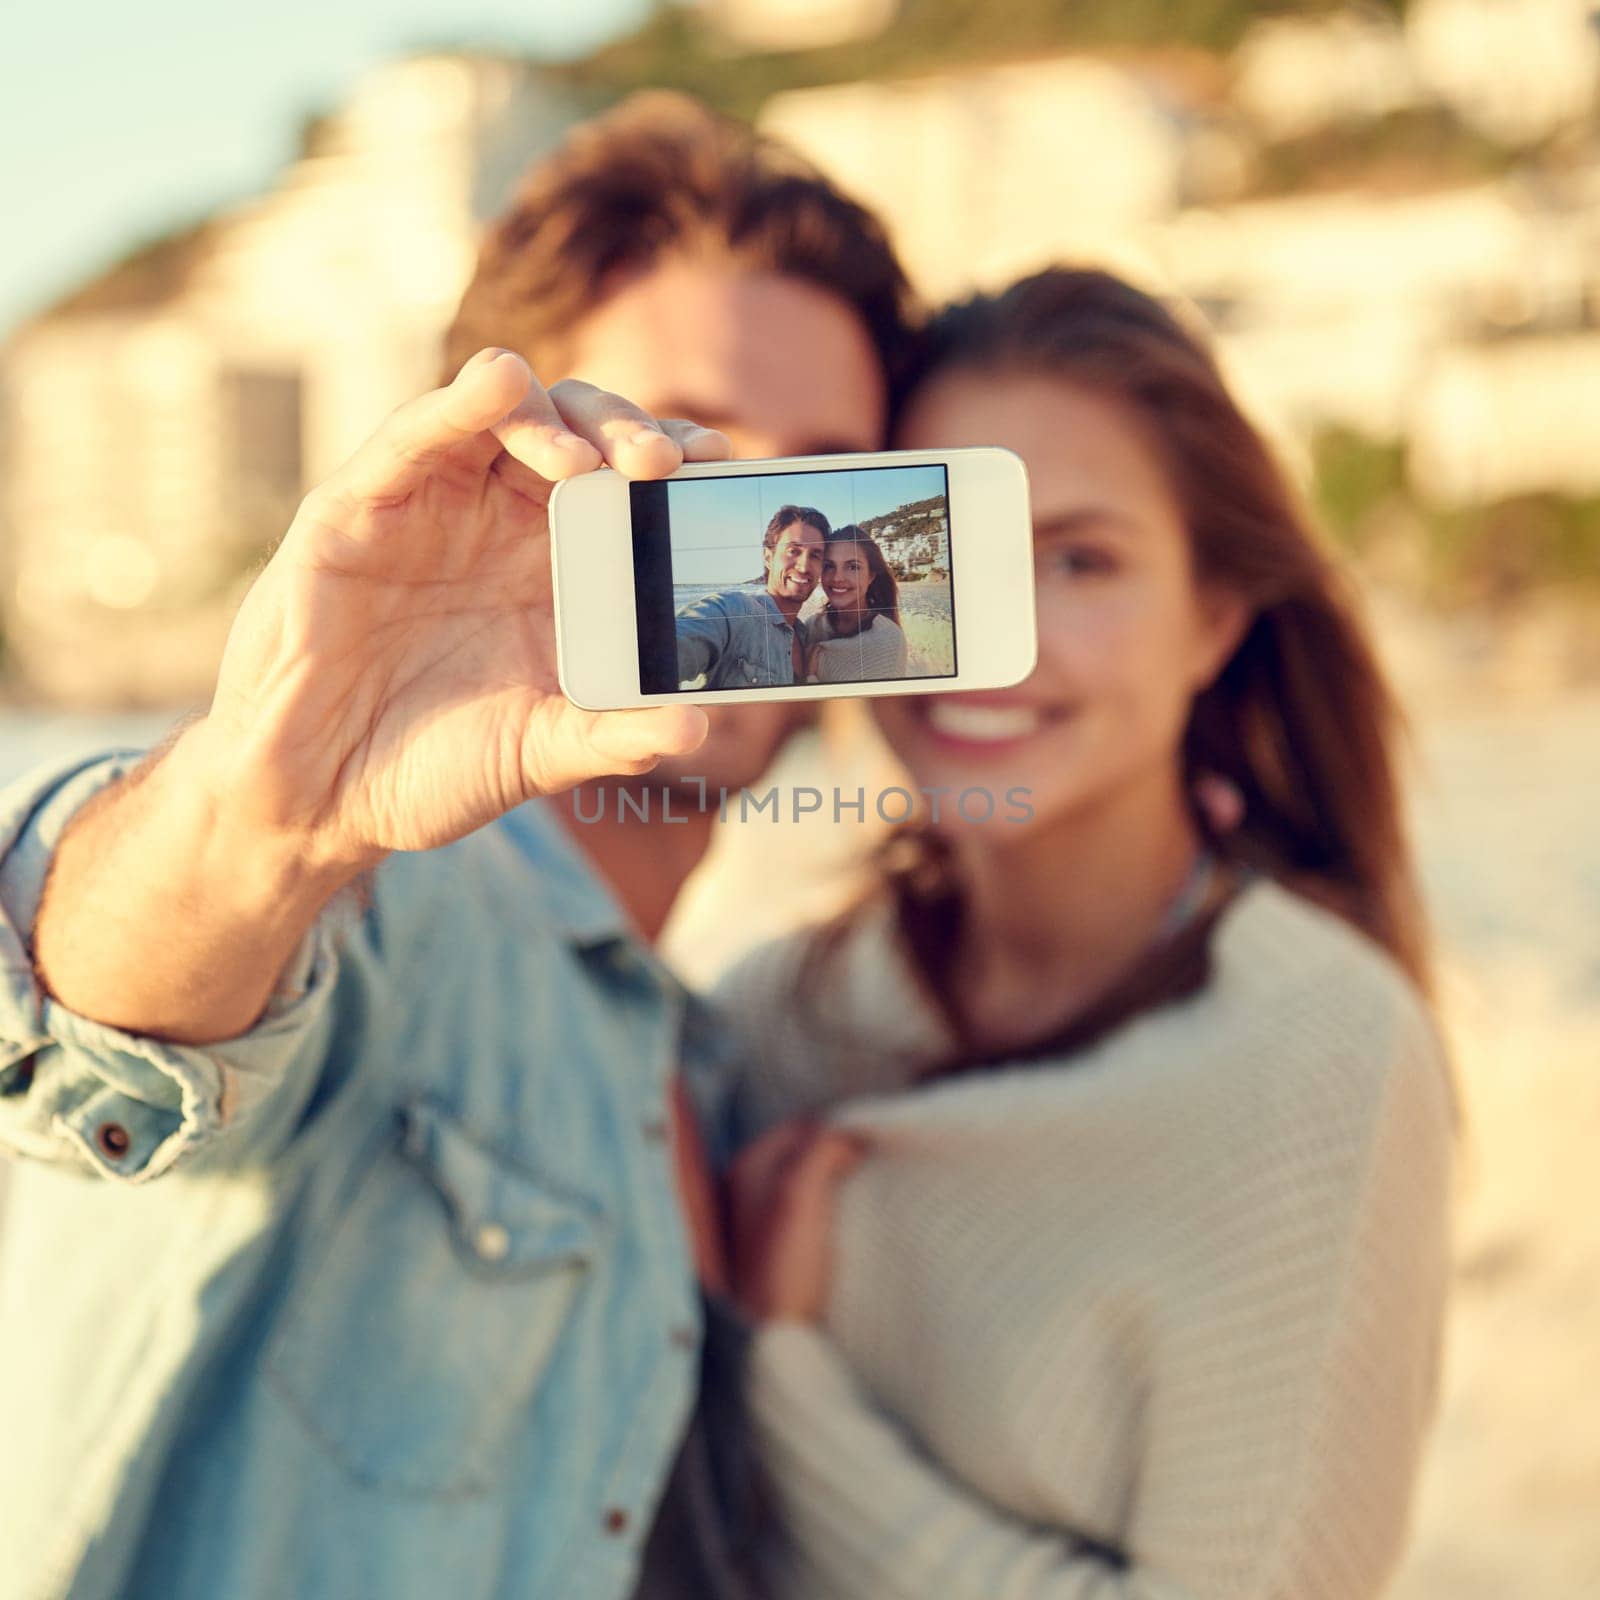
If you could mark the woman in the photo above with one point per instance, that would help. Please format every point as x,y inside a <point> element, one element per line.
<point>857,635</point>
<point>1117,1268</point>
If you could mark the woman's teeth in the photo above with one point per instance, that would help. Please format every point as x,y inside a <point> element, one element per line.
<point>983,722</point>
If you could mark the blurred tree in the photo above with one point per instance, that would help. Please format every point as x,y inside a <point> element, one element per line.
<point>1490,554</point>
<point>1356,477</point>
<point>1417,149</point>
<point>1498,553</point>
<point>677,48</point>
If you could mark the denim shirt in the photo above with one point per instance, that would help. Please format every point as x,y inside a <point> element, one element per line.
<point>739,639</point>
<point>388,1296</point>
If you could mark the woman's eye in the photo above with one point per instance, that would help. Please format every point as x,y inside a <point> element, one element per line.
<point>1079,561</point>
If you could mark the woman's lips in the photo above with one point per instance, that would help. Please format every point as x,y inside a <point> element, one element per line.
<point>963,722</point>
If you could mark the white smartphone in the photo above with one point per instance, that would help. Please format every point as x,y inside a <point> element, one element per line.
<point>809,577</point>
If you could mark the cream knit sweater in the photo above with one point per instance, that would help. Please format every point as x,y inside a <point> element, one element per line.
<point>1157,1322</point>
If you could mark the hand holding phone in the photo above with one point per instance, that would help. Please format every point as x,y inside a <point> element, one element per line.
<point>390,681</point>
<point>893,572</point>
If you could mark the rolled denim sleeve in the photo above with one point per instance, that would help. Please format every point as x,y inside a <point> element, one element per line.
<point>74,1090</point>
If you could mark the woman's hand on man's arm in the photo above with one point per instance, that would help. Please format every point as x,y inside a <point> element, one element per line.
<point>782,1193</point>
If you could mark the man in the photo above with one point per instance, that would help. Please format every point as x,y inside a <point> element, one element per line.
<point>349,1261</point>
<point>741,640</point>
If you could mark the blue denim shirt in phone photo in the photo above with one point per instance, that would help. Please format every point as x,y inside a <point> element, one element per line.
<point>392,1286</point>
<point>739,639</point>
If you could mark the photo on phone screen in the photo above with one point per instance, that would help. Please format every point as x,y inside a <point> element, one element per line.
<point>764,579</point>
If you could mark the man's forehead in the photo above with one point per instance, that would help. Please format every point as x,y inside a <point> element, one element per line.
<point>738,348</point>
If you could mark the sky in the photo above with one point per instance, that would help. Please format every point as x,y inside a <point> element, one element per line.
<point>717,523</point>
<point>119,122</point>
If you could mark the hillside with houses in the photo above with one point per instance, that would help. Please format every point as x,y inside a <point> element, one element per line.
<point>914,538</point>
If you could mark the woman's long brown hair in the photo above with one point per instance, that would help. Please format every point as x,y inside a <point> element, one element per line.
<point>1300,720</point>
<point>883,593</point>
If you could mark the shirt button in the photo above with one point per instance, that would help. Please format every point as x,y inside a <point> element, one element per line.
<point>113,1140</point>
<point>685,1338</point>
<point>656,1129</point>
<point>623,961</point>
<point>616,1521</point>
<point>492,1242</point>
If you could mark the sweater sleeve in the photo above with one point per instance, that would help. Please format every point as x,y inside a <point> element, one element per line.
<point>883,650</point>
<point>1280,1450</point>
<point>865,1513</point>
<point>877,652</point>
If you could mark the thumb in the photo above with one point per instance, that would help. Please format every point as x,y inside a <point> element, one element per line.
<point>636,740</point>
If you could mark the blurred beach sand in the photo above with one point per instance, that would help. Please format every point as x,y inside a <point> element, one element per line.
<point>1508,828</point>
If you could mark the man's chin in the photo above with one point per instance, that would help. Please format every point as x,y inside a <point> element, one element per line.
<point>681,774</point>
<point>743,743</point>
<point>693,776</point>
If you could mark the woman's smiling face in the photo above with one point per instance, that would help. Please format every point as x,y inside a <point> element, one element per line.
<point>1126,635</point>
<point>845,575</point>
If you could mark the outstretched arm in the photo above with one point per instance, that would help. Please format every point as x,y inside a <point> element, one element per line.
<point>389,684</point>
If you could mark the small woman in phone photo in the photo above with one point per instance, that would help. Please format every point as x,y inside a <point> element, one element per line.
<point>856,637</point>
<point>1090,1178</point>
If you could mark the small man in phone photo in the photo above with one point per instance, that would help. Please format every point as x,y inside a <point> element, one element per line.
<point>747,637</point>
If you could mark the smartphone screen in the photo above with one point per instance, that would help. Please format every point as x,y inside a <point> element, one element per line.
<point>762,580</point>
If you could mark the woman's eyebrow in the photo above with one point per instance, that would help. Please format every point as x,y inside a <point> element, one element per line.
<point>1084,519</point>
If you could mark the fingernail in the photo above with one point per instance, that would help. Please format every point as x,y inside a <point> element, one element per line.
<point>645,435</point>
<point>567,441</point>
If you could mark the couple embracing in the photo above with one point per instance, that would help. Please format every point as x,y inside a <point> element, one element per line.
<point>739,639</point>
<point>1067,1218</point>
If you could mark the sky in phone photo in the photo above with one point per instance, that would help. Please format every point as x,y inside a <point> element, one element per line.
<point>717,523</point>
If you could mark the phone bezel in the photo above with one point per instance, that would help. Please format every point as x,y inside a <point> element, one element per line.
<point>991,564</point>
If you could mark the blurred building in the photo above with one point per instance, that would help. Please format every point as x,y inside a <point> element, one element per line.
<point>984,172</point>
<point>1330,306</point>
<point>1518,70</point>
<point>164,422</point>
<point>1296,74</point>
<point>1420,315</point>
<point>1515,417</point>
<point>797,24</point>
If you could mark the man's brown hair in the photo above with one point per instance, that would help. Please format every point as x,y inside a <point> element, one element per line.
<point>660,175</point>
<point>786,517</point>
